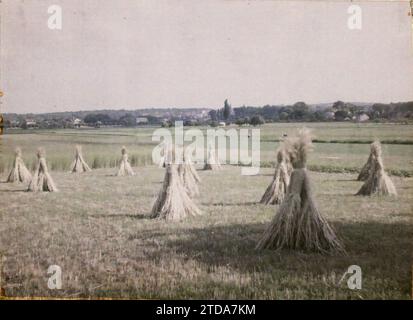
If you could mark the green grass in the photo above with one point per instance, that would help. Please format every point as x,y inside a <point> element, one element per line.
<point>102,146</point>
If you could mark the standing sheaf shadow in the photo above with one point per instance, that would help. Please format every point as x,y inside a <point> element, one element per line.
<point>383,251</point>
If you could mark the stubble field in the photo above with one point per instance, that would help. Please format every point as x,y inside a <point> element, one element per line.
<point>97,231</point>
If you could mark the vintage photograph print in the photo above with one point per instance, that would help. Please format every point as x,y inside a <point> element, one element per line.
<point>220,149</point>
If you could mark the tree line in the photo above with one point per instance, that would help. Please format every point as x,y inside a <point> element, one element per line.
<point>302,112</point>
<point>244,115</point>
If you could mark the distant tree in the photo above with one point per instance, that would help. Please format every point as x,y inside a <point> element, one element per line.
<point>338,105</point>
<point>227,110</point>
<point>99,117</point>
<point>320,116</point>
<point>214,123</point>
<point>300,111</point>
<point>284,115</point>
<point>190,123</point>
<point>90,118</point>
<point>23,124</point>
<point>340,115</point>
<point>240,112</point>
<point>270,112</point>
<point>127,120</point>
<point>242,121</point>
<point>213,114</point>
<point>239,121</point>
<point>257,120</point>
<point>379,109</point>
<point>153,120</point>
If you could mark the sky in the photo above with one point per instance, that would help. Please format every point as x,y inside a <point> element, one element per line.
<point>136,54</point>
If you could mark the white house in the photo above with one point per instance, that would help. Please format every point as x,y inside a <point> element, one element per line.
<point>329,115</point>
<point>31,123</point>
<point>141,120</point>
<point>363,117</point>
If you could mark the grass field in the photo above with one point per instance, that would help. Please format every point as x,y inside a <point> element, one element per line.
<point>102,146</point>
<point>95,228</point>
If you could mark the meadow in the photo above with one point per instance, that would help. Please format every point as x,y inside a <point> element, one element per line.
<point>96,227</point>
<point>339,147</point>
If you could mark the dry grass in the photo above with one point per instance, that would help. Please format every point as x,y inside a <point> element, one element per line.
<point>95,230</point>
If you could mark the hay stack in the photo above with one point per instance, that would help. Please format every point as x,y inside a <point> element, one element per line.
<point>212,160</point>
<point>173,202</point>
<point>191,167</point>
<point>188,174</point>
<point>79,165</point>
<point>365,170</point>
<point>378,182</point>
<point>287,157</point>
<point>42,181</point>
<point>125,168</point>
<point>161,163</point>
<point>19,173</point>
<point>278,187</point>
<point>166,156</point>
<point>288,164</point>
<point>298,224</point>
<point>169,155</point>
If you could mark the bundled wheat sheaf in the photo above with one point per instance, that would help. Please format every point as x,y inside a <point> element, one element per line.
<point>173,202</point>
<point>278,187</point>
<point>79,165</point>
<point>212,162</point>
<point>166,155</point>
<point>162,159</point>
<point>298,225</point>
<point>365,170</point>
<point>125,168</point>
<point>19,173</point>
<point>188,175</point>
<point>378,182</point>
<point>42,181</point>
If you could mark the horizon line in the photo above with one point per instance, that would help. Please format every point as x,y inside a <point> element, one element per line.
<point>196,107</point>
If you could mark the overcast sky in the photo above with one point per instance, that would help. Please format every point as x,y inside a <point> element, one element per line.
<point>136,54</point>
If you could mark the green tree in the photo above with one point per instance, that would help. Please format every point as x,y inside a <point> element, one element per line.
<point>300,111</point>
<point>23,124</point>
<point>227,109</point>
<point>213,114</point>
<point>340,115</point>
<point>242,121</point>
<point>127,120</point>
<point>257,120</point>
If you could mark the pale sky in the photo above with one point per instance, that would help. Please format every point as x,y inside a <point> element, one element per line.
<point>135,54</point>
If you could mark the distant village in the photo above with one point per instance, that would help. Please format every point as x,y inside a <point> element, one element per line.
<point>244,115</point>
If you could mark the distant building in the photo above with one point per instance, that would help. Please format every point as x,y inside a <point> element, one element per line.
<point>222,124</point>
<point>14,123</point>
<point>329,115</point>
<point>141,120</point>
<point>363,117</point>
<point>31,123</point>
<point>77,122</point>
